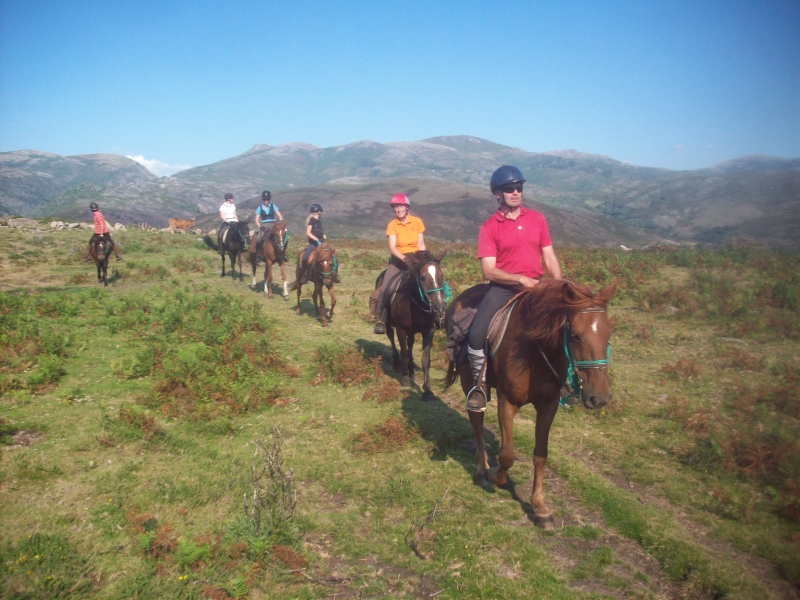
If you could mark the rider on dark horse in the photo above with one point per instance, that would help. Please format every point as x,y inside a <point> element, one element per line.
<point>266,215</point>
<point>101,232</point>
<point>315,237</point>
<point>227,212</point>
<point>511,246</point>
<point>405,236</point>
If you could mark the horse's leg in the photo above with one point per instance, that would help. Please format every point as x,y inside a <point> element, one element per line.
<point>410,344</point>
<point>481,460</point>
<point>395,355</point>
<point>254,265</point>
<point>223,263</point>
<point>333,303</point>
<point>283,279</point>
<point>321,311</point>
<point>268,277</point>
<point>427,341</point>
<point>545,414</point>
<point>299,285</point>
<point>505,415</point>
<point>402,337</point>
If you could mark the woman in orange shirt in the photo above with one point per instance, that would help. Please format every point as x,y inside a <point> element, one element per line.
<point>405,236</point>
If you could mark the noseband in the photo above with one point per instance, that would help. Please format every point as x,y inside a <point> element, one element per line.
<point>280,246</point>
<point>574,383</point>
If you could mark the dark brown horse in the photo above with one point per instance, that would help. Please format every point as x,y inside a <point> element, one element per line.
<point>322,265</point>
<point>100,251</point>
<point>530,366</point>
<point>234,244</point>
<point>272,251</point>
<point>418,306</point>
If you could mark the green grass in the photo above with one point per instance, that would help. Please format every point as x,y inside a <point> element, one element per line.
<point>130,415</point>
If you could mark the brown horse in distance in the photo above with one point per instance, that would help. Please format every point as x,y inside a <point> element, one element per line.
<point>530,367</point>
<point>322,264</point>
<point>418,307</point>
<point>100,251</point>
<point>272,251</point>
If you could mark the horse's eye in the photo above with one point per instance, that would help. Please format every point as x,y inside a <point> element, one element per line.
<point>574,337</point>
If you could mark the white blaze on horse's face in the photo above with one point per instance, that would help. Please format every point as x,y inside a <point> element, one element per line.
<point>594,325</point>
<point>432,271</point>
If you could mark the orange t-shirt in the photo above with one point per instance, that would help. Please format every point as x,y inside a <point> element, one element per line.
<point>407,233</point>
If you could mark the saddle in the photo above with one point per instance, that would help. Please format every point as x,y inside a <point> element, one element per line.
<point>391,288</point>
<point>456,348</point>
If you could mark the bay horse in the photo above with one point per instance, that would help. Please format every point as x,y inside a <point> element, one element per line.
<point>322,264</point>
<point>555,329</point>
<point>272,251</point>
<point>417,307</point>
<point>234,245</point>
<point>100,251</point>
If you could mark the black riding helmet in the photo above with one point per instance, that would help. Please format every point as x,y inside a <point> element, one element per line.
<point>93,206</point>
<point>504,176</point>
<point>315,208</point>
<point>266,196</point>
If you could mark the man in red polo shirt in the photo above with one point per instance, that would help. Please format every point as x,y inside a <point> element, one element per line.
<point>511,246</point>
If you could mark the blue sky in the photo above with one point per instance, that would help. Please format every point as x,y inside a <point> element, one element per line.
<point>681,84</point>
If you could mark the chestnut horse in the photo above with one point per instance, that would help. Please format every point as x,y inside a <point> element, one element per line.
<point>552,329</point>
<point>418,306</point>
<point>273,251</point>
<point>322,264</point>
<point>100,251</point>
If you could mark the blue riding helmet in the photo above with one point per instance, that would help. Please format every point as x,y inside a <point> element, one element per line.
<point>505,175</point>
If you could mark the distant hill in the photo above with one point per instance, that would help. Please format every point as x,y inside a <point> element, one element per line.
<point>31,180</point>
<point>451,212</point>
<point>753,197</point>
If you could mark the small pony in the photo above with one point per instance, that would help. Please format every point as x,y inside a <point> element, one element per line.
<point>100,251</point>
<point>322,265</point>
<point>234,245</point>
<point>417,306</point>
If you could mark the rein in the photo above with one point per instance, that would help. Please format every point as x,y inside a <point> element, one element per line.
<point>573,381</point>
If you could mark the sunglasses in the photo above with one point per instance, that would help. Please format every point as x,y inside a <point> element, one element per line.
<point>510,189</point>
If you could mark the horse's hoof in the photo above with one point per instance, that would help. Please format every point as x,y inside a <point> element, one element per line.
<point>547,523</point>
<point>428,396</point>
<point>405,381</point>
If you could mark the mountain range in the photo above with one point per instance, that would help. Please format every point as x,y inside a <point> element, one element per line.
<point>590,200</point>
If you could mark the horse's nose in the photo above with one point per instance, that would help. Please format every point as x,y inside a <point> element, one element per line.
<point>595,401</point>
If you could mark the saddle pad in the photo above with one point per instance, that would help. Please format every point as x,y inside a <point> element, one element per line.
<point>225,234</point>
<point>497,329</point>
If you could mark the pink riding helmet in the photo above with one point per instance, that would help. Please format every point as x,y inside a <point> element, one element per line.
<point>400,200</point>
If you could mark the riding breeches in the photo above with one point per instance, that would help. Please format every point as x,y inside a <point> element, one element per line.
<point>379,304</point>
<point>495,299</point>
<point>306,253</point>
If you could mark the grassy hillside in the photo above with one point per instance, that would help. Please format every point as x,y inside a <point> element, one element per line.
<point>156,432</point>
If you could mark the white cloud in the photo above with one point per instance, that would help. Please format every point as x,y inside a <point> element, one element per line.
<point>680,147</point>
<point>156,166</point>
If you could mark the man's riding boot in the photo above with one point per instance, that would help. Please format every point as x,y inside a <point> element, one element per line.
<point>118,256</point>
<point>303,275</point>
<point>477,396</point>
<point>336,277</point>
<point>380,327</point>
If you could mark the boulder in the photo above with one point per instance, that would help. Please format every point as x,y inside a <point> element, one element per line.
<point>197,231</point>
<point>73,225</point>
<point>86,225</point>
<point>23,223</point>
<point>120,227</point>
<point>56,224</point>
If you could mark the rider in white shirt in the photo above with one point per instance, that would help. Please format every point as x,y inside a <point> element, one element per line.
<point>227,212</point>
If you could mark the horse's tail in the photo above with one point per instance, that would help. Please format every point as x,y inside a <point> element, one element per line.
<point>452,374</point>
<point>210,243</point>
<point>292,286</point>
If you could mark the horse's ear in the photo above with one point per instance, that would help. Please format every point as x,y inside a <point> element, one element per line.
<point>608,292</point>
<point>442,255</point>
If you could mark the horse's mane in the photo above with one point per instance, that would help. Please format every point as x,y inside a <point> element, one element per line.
<point>545,307</point>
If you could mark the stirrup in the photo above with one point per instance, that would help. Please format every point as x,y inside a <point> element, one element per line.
<point>476,399</point>
<point>379,328</point>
